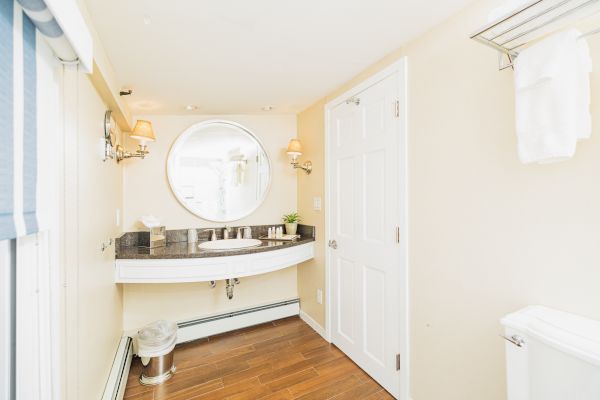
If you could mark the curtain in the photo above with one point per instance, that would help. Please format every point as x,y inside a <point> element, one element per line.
<point>19,21</point>
<point>46,24</point>
<point>18,122</point>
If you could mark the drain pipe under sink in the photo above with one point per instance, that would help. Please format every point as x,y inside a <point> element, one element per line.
<point>229,286</point>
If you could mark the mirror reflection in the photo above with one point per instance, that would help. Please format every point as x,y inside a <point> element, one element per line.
<point>219,171</point>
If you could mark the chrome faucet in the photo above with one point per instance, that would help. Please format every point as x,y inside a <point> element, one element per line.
<point>213,236</point>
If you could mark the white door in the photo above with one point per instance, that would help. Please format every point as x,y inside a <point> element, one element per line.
<point>364,158</point>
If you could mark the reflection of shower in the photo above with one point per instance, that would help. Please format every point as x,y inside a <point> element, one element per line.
<point>263,172</point>
<point>239,167</point>
<point>221,190</point>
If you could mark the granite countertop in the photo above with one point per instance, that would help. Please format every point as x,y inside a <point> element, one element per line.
<point>131,245</point>
<point>191,250</point>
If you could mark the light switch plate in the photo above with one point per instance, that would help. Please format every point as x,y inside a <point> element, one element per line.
<point>317,203</point>
<point>319,296</point>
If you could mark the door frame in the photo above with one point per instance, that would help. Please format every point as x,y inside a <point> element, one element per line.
<point>398,68</point>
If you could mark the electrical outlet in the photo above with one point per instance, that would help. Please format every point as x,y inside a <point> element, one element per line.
<point>317,203</point>
<point>319,296</point>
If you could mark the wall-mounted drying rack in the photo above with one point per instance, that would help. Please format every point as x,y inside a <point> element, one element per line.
<point>530,22</point>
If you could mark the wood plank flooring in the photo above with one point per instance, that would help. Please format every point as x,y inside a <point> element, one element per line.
<point>280,360</point>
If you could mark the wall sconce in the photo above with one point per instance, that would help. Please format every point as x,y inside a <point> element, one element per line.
<point>144,133</point>
<point>294,150</point>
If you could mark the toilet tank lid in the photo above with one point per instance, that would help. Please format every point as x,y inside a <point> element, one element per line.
<point>572,334</point>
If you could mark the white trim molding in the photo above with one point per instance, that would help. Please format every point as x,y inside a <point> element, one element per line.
<point>314,325</point>
<point>209,268</point>
<point>6,317</point>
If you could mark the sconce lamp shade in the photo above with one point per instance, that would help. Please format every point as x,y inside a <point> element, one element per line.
<point>143,131</point>
<point>294,150</point>
<point>294,147</point>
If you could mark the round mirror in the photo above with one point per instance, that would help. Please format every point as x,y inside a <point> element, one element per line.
<point>219,171</point>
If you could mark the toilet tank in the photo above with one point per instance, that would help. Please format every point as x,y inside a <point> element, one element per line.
<point>551,355</point>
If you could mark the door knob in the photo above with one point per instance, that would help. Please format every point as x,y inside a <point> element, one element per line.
<point>332,244</point>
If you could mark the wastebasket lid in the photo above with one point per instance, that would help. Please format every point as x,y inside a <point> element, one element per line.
<point>157,333</point>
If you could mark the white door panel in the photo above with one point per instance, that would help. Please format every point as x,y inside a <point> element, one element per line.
<point>374,313</point>
<point>346,320</point>
<point>373,213</point>
<point>365,212</point>
<point>345,197</point>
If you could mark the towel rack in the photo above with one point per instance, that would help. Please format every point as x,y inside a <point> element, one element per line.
<point>531,21</point>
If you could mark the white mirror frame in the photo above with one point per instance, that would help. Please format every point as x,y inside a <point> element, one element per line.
<point>192,129</point>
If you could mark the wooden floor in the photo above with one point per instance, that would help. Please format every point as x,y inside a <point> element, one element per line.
<point>280,360</point>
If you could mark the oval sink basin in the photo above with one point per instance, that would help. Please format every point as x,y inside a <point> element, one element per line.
<point>229,244</point>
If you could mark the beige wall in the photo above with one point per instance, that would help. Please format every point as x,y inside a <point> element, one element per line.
<point>311,274</point>
<point>147,191</point>
<point>488,235</point>
<point>96,192</point>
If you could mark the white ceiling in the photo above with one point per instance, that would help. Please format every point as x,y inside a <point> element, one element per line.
<point>236,56</point>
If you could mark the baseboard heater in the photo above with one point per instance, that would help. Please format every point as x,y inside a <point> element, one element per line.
<point>117,380</point>
<point>213,325</point>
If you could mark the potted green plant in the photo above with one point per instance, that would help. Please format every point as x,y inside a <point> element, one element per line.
<point>291,223</point>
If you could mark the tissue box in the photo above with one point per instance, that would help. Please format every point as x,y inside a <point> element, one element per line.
<point>158,237</point>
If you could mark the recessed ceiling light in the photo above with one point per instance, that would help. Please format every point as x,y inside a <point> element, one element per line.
<point>191,107</point>
<point>267,108</point>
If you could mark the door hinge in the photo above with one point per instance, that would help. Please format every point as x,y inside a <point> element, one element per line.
<point>353,100</point>
<point>397,234</point>
<point>397,362</point>
<point>397,108</point>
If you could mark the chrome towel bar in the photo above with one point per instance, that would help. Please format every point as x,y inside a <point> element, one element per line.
<point>531,22</point>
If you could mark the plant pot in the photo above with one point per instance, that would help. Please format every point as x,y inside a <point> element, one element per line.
<point>290,229</point>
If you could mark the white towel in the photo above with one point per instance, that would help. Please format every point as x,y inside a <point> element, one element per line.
<point>552,90</point>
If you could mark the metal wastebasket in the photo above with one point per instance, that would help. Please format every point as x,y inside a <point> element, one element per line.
<point>156,343</point>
